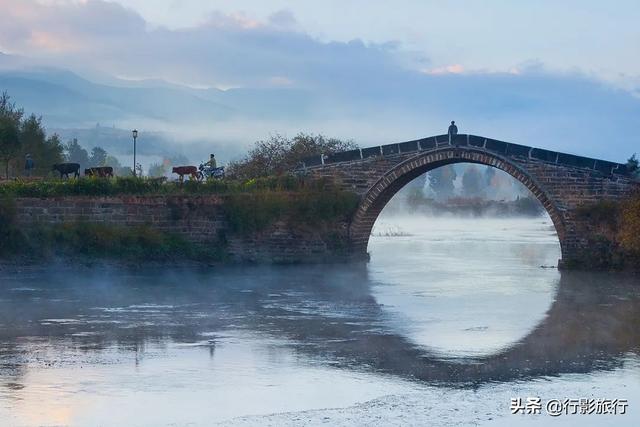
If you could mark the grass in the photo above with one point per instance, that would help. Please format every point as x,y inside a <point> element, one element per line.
<point>247,213</point>
<point>90,186</point>
<point>130,243</point>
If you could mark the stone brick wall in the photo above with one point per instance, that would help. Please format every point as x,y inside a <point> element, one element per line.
<point>199,219</point>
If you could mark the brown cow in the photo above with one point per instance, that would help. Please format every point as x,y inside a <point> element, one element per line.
<point>186,170</point>
<point>102,172</point>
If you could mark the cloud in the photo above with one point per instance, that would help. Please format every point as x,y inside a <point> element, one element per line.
<point>449,69</point>
<point>227,50</point>
<point>283,19</point>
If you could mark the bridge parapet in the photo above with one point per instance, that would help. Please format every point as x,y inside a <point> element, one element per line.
<point>463,140</point>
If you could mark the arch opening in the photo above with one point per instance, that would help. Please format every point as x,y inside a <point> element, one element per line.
<point>379,195</point>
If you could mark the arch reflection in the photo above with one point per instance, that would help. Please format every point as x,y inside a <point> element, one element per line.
<point>332,318</point>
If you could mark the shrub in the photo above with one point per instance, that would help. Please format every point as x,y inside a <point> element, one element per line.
<point>255,211</point>
<point>605,212</point>
<point>11,239</point>
<point>615,228</point>
<point>630,226</point>
<point>279,154</point>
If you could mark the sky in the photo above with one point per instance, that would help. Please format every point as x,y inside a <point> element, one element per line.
<point>599,39</point>
<point>564,72</point>
<point>595,37</point>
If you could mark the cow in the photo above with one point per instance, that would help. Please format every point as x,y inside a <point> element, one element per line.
<point>102,172</point>
<point>186,170</point>
<point>66,168</point>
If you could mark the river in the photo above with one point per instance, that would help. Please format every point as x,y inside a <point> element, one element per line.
<point>449,321</point>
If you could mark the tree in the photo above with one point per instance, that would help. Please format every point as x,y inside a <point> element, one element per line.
<point>279,154</point>
<point>53,152</point>
<point>9,142</point>
<point>118,169</point>
<point>156,170</point>
<point>633,165</point>
<point>10,117</point>
<point>98,157</point>
<point>44,151</point>
<point>489,182</point>
<point>472,182</point>
<point>8,109</point>
<point>77,154</point>
<point>441,182</point>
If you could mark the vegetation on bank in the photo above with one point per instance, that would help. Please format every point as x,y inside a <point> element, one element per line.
<point>476,206</point>
<point>279,155</point>
<point>247,213</point>
<point>89,186</point>
<point>249,207</point>
<point>615,227</point>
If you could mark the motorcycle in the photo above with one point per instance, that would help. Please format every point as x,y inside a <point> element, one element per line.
<point>207,172</point>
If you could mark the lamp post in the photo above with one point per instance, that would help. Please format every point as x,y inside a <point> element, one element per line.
<point>135,136</point>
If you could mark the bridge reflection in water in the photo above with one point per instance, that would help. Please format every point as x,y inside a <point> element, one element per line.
<point>333,319</point>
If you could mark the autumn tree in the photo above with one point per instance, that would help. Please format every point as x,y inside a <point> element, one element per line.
<point>629,233</point>
<point>279,154</point>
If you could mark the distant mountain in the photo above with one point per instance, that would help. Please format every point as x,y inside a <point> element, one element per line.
<point>67,100</point>
<point>564,112</point>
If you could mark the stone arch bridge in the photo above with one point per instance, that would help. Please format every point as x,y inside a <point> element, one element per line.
<point>561,182</point>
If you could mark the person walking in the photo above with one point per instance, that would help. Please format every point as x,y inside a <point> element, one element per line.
<point>29,164</point>
<point>453,132</point>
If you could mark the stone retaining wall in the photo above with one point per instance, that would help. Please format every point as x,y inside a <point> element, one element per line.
<point>200,219</point>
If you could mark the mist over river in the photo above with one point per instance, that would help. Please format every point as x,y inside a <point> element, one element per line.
<point>450,320</point>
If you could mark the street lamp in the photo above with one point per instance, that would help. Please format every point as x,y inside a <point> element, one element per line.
<point>135,136</point>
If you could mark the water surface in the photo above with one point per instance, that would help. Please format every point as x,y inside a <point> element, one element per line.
<point>448,322</point>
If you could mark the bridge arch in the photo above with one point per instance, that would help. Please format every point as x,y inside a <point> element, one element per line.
<point>381,192</point>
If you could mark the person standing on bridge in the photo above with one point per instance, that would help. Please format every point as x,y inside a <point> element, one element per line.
<point>453,131</point>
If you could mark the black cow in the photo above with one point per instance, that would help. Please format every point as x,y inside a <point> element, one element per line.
<point>66,168</point>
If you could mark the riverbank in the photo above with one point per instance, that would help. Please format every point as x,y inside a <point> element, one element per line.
<point>613,230</point>
<point>476,207</point>
<point>275,220</point>
<point>273,224</point>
